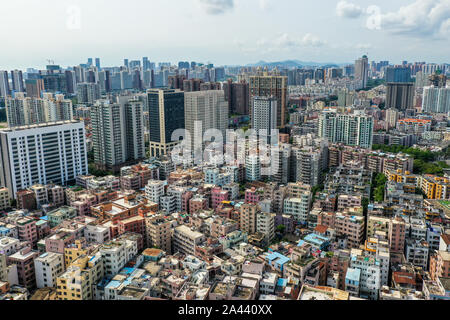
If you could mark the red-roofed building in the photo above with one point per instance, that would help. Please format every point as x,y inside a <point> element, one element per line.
<point>321,229</point>
<point>406,280</point>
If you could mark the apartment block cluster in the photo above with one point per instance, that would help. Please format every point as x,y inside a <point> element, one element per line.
<point>208,233</point>
<point>322,224</point>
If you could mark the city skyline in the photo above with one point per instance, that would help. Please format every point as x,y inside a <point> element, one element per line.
<point>334,31</point>
<point>235,153</point>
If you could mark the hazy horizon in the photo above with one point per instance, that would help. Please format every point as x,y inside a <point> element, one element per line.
<point>223,32</point>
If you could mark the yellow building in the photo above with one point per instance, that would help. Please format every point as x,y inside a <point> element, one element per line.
<point>435,187</point>
<point>297,189</point>
<point>74,251</point>
<point>375,224</point>
<point>80,278</point>
<point>403,177</point>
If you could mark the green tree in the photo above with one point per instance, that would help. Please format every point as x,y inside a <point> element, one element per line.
<point>379,194</point>
<point>96,172</point>
<point>315,190</point>
<point>3,115</point>
<point>365,205</point>
<point>90,156</point>
<point>378,187</point>
<point>423,160</point>
<point>281,228</point>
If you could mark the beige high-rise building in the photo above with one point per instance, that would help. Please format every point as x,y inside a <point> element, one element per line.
<point>117,133</point>
<point>209,108</point>
<point>185,240</point>
<point>297,189</point>
<point>266,83</point>
<point>391,118</point>
<point>4,198</point>
<point>3,268</point>
<point>265,223</point>
<point>248,213</point>
<point>23,110</point>
<point>362,70</point>
<point>158,231</point>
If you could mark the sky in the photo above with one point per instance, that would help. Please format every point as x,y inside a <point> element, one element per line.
<point>223,32</point>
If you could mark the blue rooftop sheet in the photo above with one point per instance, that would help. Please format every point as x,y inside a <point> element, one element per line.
<point>316,239</point>
<point>113,284</point>
<point>103,282</point>
<point>282,282</point>
<point>127,270</point>
<point>353,274</point>
<point>279,257</point>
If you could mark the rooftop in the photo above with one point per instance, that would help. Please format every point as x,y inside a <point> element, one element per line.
<point>322,293</point>
<point>40,125</point>
<point>133,292</point>
<point>278,258</point>
<point>353,274</point>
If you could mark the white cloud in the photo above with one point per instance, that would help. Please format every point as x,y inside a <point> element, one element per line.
<point>264,4</point>
<point>286,41</point>
<point>346,9</point>
<point>445,27</point>
<point>311,40</point>
<point>262,42</point>
<point>364,46</point>
<point>282,42</point>
<point>422,18</point>
<point>216,7</point>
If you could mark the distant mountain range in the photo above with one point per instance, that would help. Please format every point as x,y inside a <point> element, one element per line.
<point>295,64</point>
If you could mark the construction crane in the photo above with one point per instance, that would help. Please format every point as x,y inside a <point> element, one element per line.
<point>50,62</point>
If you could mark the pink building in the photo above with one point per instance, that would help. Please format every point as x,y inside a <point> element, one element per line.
<point>43,228</point>
<point>218,196</point>
<point>397,235</point>
<point>348,201</point>
<point>252,196</point>
<point>84,203</point>
<point>185,197</point>
<point>134,224</point>
<point>326,219</point>
<point>24,259</point>
<point>131,182</point>
<point>27,230</point>
<point>221,227</point>
<point>57,242</point>
<point>197,204</point>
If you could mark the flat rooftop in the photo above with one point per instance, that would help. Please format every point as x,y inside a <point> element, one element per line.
<point>136,293</point>
<point>40,125</point>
